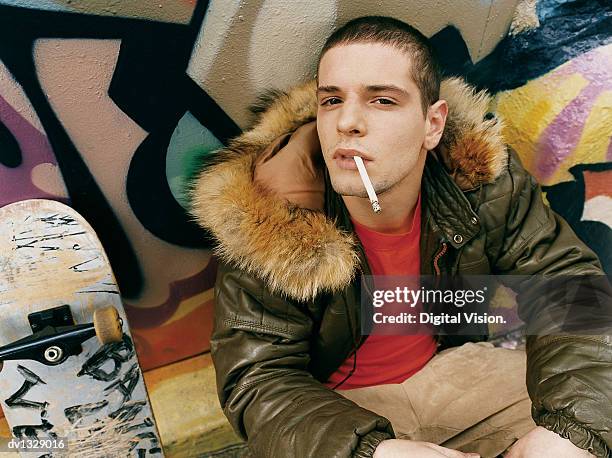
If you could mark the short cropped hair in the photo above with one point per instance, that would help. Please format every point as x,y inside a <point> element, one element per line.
<point>393,32</point>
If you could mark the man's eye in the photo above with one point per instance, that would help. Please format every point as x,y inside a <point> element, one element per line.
<point>385,101</point>
<point>331,101</point>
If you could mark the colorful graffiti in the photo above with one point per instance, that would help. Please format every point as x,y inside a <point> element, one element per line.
<point>558,108</point>
<point>93,106</point>
<point>245,48</point>
<point>586,203</point>
<point>28,163</point>
<point>109,106</point>
<point>552,134</point>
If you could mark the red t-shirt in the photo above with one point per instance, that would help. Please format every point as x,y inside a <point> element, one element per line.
<point>383,359</point>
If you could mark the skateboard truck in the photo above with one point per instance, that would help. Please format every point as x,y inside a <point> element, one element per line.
<point>55,336</point>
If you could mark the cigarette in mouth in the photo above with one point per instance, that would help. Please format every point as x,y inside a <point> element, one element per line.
<point>367,183</point>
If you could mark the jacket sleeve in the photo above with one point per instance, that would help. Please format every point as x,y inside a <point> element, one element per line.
<point>260,350</point>
<point>569,377</point>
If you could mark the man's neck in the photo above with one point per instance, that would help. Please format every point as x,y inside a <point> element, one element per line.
<point>397,204</point>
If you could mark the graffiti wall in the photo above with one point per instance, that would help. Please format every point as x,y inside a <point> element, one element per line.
<point>108,105</point>
<point>96,110</point>
<point>556,100</point>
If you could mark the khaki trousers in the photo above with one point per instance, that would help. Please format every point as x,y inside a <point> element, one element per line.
<point>471,398</point>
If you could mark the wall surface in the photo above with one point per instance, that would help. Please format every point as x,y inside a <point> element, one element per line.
<point>107,106</point>
<point>247,47</point>
<point>556,100</point>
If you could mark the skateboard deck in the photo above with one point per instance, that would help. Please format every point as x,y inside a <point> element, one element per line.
<point>70,395</point>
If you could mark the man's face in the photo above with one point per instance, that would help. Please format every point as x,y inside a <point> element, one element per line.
<point>369,106</point>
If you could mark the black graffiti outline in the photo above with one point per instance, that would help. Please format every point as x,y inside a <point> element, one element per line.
<point>144,436</point>
<point>78,412</point>
<point>126,384</point>
<point>118,352</point>
<point>31,380</point>
<point>31,431</point>
<point>147,423</point>
<point>128,411</point>
<point>10,152</point>
<point>20,27</point>
<point>16,400</point>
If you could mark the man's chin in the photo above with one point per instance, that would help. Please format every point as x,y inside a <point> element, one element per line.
<point>348,185</point>
<point>350,190</point>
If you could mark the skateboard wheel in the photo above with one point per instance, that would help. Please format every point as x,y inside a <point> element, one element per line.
<point>108,325</point>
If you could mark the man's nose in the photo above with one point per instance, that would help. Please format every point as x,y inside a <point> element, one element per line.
<point>351,120</point>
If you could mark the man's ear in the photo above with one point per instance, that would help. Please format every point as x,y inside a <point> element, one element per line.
<point>435,122</point>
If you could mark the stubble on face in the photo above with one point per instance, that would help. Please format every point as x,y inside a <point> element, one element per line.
<point>350,186</point>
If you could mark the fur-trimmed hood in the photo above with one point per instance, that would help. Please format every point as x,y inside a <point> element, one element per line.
<point>295,248</point>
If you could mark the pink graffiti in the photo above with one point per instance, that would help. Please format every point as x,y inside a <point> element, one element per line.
<point>16,183</point>
<point>561,137</point>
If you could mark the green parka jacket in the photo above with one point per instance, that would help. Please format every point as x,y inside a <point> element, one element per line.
<point>287,297</point>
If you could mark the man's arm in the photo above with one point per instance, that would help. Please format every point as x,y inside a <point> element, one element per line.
<point>569,378</point>
<point>260,350</point>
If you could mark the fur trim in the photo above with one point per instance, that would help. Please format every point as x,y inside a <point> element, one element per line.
<point>285,114</point>
<point>472,139</point>
<point>297,252</point>
<point>300,253</point>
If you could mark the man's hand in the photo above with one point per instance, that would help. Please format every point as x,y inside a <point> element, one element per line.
<point>401,448</point>
<point>541,442</point>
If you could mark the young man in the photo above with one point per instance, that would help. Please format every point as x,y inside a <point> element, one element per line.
<point>296,233</point>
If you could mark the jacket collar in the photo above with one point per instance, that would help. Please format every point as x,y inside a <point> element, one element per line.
<point>263,197</point>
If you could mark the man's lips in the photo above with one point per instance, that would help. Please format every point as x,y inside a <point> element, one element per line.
<point>344,158</point>
<point>349,153</point>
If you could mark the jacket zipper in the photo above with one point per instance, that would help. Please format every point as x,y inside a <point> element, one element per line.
<point>441,252</point>
<point>437,257</point>
<point>370,295</point>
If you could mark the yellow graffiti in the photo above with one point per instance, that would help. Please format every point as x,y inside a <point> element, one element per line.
<point>528,110</point>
